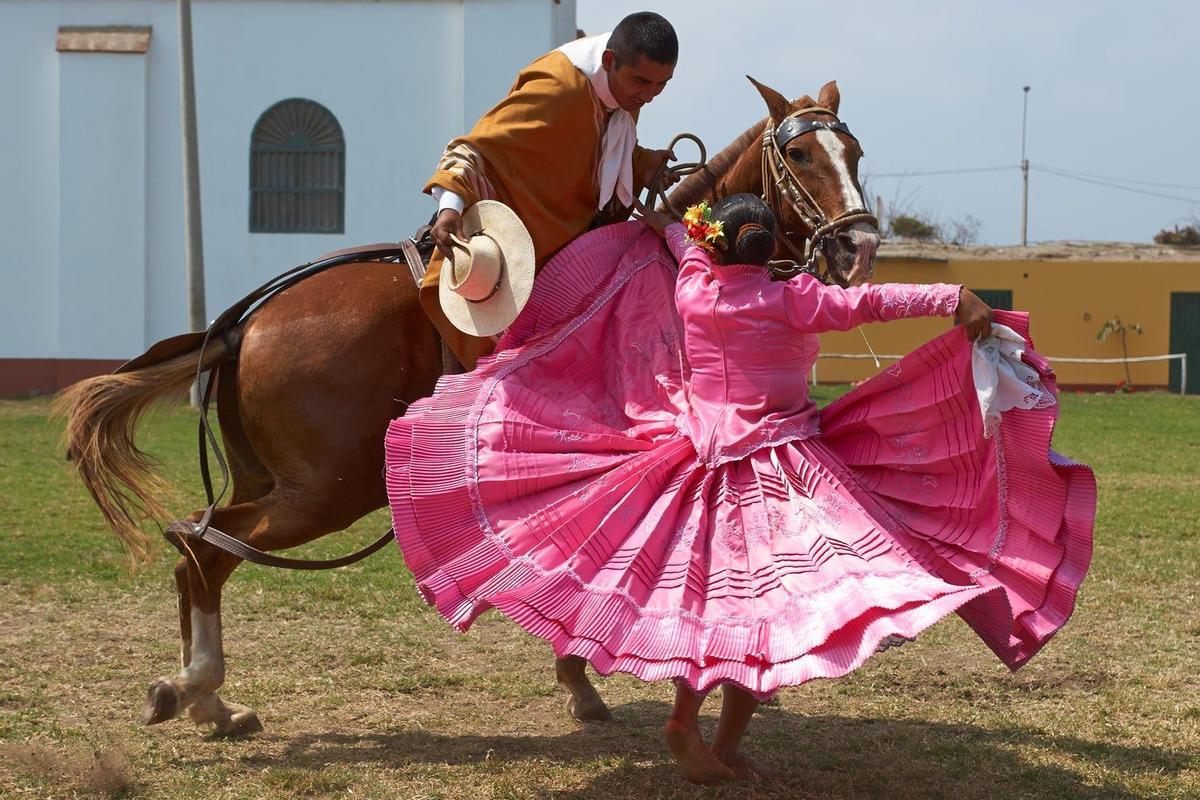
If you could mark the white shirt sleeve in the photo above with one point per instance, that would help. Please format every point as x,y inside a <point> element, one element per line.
<point>446,199</point>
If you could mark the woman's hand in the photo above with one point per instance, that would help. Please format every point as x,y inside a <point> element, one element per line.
<point>653,219</point>
<point>974,315</point>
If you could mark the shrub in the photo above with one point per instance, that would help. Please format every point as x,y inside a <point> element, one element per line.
<point>908,226</point>
<point>1179,236</point>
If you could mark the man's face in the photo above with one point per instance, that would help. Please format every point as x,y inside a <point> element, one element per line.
<point>634,85</point>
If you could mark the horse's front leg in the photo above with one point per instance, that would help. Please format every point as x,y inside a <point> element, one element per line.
<point>585,703</point>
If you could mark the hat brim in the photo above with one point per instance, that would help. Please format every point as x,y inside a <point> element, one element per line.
<point>491,316</point>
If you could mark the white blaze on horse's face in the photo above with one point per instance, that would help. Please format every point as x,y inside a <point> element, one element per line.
<point>863,238</point>
<point>837,157</point>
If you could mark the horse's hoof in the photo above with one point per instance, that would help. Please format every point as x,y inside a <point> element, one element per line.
<point>162,703</point>
<point>591,709</point>
<point>242,723</point>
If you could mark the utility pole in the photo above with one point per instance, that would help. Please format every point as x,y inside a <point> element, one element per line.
<point>193,240</point>
<point>1024,175</point>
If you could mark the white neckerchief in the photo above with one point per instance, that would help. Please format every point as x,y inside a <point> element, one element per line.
<point>615,170</point>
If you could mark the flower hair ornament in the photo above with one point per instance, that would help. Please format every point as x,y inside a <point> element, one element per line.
<point>702,229</point>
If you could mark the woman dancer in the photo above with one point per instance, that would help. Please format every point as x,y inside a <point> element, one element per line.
<point>687,513</point>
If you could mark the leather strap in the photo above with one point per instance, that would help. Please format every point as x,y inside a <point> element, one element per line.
<point>655,191</point>
<point>180,531</point>
<point>792,127</point>
<point>413,256</point>
<point>782,186</point>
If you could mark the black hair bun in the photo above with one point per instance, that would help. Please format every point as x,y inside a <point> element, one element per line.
<point>749,228</point>
<point>754,244</point>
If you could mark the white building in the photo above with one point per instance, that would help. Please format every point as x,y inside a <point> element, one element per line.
<point>91,200</point>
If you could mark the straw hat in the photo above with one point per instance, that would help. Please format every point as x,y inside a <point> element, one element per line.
<point>487,280</point>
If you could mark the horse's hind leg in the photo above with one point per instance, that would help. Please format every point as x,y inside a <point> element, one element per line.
<point>585,703</point>
<point>267,524</point>
<point>251,481</point>
<point>163,702</point>
<point>199,579</point>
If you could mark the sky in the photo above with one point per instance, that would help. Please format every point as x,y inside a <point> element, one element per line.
<point>937,85</point>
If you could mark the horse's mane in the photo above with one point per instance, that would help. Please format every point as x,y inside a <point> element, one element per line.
<point>699,186</point>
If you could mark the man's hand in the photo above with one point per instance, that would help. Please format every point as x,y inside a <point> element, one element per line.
<point>974,315</point>
<point>448,223</point>
<point>655,160</point>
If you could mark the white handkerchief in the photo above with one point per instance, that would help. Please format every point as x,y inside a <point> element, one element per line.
<point>1002,380</point>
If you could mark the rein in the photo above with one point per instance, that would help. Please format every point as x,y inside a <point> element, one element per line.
<point>656,192</point>
<point>781,185</point>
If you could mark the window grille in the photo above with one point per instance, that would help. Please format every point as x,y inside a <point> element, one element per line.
<point>297,170</point>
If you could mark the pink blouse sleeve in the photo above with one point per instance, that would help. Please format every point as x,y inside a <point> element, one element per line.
<point>814,307</point>
<point>676,236</point>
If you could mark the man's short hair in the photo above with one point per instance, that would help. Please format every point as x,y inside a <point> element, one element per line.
<point>644,34</point>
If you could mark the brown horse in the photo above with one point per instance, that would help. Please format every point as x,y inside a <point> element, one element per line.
<point>307,385</point>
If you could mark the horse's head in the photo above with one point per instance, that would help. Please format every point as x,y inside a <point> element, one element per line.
<point>813,183</point>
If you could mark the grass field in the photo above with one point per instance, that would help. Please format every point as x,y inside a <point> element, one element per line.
<point>365,693</point>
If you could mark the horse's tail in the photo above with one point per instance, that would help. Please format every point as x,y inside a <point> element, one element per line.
<point>102,415</point>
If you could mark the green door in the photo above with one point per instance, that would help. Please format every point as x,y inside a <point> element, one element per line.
<point>1185,338</point>
<point>996,298</point>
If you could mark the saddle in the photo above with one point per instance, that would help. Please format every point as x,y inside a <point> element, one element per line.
<point>415,250</point>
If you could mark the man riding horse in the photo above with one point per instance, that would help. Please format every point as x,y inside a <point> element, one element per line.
<point>560,150</point>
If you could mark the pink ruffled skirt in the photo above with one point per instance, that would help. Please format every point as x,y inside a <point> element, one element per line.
<point>553,484</point>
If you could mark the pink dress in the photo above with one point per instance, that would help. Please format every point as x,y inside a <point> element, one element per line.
<point>639,477</point>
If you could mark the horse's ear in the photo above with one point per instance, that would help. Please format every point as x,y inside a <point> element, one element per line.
<point>829,97</point>
<point>777,104</point>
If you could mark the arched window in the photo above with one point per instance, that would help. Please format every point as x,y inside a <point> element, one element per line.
<point>297,170</point>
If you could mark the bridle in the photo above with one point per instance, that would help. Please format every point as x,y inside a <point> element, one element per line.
<point>781,185</point>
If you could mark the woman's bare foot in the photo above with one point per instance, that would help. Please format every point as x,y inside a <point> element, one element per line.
<point>695,761</point>
<point>746,768</point>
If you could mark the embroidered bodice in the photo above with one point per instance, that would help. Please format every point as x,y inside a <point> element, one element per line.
<point>751,343</point>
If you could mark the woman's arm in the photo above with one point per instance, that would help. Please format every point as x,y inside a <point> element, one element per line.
<point>813,307</point>
<point>674,232</point>
<point>677,241</point>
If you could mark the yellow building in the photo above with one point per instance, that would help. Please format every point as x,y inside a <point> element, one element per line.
<point>1070,290</point>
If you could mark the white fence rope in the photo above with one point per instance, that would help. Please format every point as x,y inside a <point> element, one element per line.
<point>1052,359</point>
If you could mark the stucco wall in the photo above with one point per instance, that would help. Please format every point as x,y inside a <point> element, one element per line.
<point>85,132</point>
<point>1068,302</point>
<point>29,180</point>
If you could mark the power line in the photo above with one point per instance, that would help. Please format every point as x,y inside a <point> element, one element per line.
<point>1079,174</point>
<point>1069,176</point>
<point>1059,171</point>
<point>1084,177</point>
<point>916,173</point>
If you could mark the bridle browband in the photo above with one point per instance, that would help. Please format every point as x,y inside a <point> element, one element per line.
<point>781,184</point>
